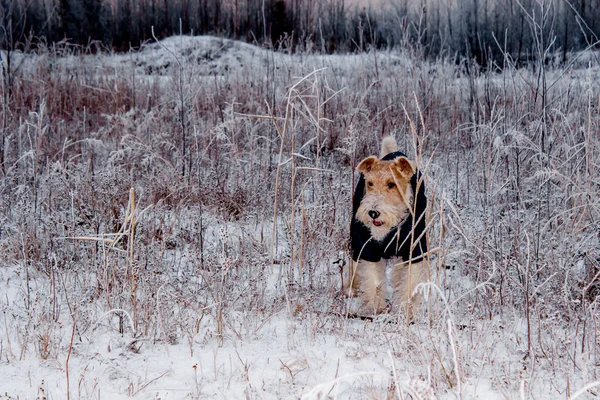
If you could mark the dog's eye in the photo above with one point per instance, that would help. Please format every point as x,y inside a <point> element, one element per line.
<point>370,184</point>
<point>391,185</point>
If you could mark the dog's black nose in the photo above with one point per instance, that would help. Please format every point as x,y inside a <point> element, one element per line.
<point>373,214</point>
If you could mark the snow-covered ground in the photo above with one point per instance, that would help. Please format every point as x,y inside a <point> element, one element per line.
<point>206,304</point>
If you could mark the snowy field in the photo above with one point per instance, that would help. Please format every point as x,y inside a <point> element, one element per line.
<point>174,225</point>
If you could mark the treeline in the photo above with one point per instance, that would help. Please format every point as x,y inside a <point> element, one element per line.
<point>479,29</point>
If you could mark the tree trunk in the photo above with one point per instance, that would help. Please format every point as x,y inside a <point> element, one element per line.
<point>166,24</point>
<point>566,35</point>
<point>186,16</point>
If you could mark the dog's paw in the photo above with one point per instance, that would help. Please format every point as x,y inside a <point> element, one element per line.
<point>374,308</point>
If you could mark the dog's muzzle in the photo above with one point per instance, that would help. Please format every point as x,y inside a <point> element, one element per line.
<point>374,214</point>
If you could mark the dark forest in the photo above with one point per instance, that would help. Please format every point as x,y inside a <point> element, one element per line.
<point>482,30</point>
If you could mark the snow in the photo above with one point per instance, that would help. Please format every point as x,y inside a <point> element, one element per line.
<point>280,358</point>
<point>296,344</point>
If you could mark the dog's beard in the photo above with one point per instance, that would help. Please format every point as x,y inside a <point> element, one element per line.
<point>390,215</point>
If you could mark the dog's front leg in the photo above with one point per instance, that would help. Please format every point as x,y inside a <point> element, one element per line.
<point>352,283</point>
<point>372,285</point>
<point>405,279</point>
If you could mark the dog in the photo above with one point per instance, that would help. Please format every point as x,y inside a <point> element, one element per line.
<point>388,223</point>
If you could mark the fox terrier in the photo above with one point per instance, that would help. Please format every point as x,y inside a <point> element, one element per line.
<point>388,223</point>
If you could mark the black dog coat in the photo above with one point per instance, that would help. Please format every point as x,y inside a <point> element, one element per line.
<point>394,244</point>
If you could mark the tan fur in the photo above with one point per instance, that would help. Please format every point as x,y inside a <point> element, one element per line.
<point>352,283</point>
<point>387,191</point>
<point>404,280</point>
<point>373,286</point>
<point>388,145</point>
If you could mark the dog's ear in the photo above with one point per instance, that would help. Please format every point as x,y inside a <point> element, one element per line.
<point>404,167</point>
<point>366,164</point>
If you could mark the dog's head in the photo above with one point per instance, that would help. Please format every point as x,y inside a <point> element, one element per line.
<point>388,194</point>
